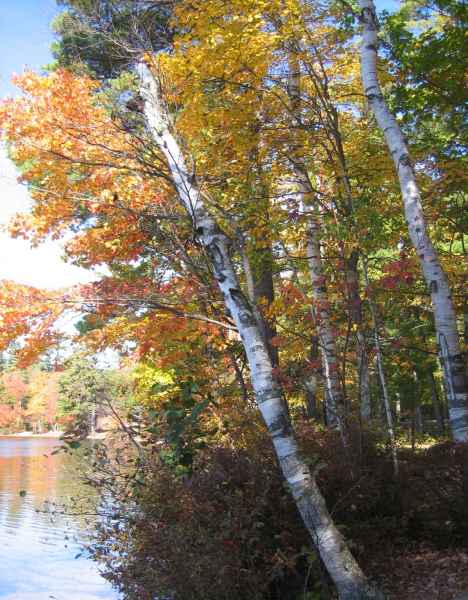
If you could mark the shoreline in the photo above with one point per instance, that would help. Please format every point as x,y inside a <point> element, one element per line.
<point>49,434</point>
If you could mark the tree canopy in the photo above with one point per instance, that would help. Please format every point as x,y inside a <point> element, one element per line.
<point>278,205</point>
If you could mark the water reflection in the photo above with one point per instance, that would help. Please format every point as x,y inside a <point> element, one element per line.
<point>38,554</point>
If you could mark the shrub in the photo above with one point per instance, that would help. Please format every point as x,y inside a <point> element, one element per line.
<point>230,531</point>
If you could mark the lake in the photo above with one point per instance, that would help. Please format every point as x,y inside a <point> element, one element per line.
<point>39,552</point>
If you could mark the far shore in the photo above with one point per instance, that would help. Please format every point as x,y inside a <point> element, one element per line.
<point>51,434</point>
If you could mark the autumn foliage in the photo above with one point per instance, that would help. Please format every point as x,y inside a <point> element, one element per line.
<point>265,100</point>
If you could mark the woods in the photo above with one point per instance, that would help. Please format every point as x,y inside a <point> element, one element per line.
<point>276,222</point>
<point>73,396</point>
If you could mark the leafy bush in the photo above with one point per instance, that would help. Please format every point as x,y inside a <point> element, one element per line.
<point>229,530</point>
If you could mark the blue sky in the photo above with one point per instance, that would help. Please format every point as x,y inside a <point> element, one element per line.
<point>25,39</point>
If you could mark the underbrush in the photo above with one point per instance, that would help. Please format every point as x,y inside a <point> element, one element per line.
<point>229,530</point>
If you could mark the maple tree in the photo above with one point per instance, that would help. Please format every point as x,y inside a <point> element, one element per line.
<point>14,396</point>
<point>41,409</point>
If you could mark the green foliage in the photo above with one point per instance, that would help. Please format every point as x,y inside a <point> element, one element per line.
<point>80,389</point>
<point>86,391</point>
<point>427,47</point>
<point>179,424</point>
<point>202,512</point>
<point>83,29</point>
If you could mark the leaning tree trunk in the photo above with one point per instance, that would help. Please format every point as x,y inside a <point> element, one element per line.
<point>436,280</point>
<point>341,565</point>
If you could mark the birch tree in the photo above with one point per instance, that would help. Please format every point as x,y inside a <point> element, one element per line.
<point>334,396</point>
<point>436,280</point>
<point>317,105</point>
<point>341,565</point>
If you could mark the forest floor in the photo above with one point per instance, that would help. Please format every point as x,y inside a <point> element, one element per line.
<point>411,538</point>
<point>423,573</point>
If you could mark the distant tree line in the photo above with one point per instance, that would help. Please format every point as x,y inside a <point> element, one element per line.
<point>74,396</point>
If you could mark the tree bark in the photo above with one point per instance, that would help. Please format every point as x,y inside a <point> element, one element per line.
<point>355,315</point>
<point>310,382</point>
<point>262,284</point>
<point>260,289</point>
<point>334,395</point>
<point>381,374</point>
<point>341,565</point>
<point>344,196</point>
<point>435,277</point>
<point>331,364</point>
<point>439,417</point>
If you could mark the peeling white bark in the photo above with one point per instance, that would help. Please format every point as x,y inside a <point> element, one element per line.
<point>436,280</point>
<point>345,572</point>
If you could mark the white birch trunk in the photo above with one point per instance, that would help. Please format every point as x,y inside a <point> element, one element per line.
<point>334,397</point>
<point>436,280</point>
<point>341,565</point>
<point>310,387</point>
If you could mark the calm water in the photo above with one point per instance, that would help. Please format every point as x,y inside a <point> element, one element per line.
<point>37,551</point>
